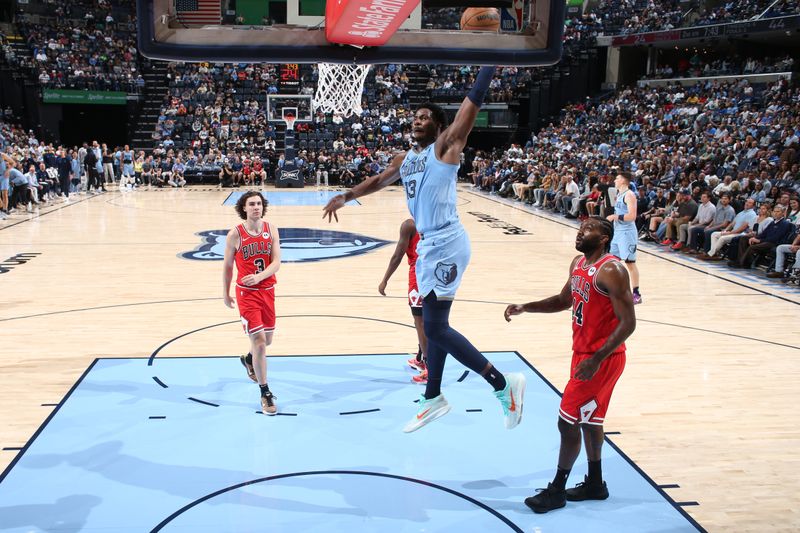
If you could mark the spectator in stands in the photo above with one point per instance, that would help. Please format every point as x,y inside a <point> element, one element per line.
<point>781,252</point>
<point>701,235</point>
<point>685,211</point>
<point>778,232</point>
<point>743,222</point>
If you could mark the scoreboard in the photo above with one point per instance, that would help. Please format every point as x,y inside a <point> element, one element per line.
<point>289,78</point>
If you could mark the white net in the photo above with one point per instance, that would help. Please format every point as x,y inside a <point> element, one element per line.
<point>339,88</point>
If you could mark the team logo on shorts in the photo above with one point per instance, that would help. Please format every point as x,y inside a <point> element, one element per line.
<point>446,273</point>
<point>298,245</point>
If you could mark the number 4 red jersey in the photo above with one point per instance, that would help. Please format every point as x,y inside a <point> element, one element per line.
<point>253,256</point>
<point>593,317</point>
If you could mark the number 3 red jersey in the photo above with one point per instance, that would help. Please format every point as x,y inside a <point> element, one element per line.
<point>593,317</point>
<point>253,256</point>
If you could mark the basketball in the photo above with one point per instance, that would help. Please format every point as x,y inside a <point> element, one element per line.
<point>480,19</point>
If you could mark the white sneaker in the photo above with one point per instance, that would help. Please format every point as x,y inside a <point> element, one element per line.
<point>511,398</point>
<point>429,410</point>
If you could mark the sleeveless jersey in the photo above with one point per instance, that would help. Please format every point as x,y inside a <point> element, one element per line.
<point>430,190</point>
<point>253,256</point>
<point>621,209</point>
<point>593,317</point>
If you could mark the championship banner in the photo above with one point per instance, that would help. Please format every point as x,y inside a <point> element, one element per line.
<point>66,96</point>
<point>365,22</point>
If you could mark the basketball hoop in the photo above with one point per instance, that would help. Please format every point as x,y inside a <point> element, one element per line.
<point>340,87</point>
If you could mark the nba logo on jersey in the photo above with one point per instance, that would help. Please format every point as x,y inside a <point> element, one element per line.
<point>592,270</point>
<point>446,273</point>
<point>265,235</point>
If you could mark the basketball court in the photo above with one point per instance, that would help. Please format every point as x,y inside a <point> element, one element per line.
<point>126,407</point>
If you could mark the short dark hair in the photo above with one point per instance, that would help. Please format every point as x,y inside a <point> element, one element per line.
<point>626,175</point>
<point>240,203</point>
<point>438,114</point>
<point>607,228</point>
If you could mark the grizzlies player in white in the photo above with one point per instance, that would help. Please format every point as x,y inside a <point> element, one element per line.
<point>429,173</point>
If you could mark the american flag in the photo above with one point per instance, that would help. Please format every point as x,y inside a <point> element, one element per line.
<point>198,11</point>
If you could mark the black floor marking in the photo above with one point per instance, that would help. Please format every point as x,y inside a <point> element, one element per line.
<point>49,405</point>
<point>474,410</point>
<point>687,504</point>
<point>416,401</point>
<point>359,412</point>
<point>157,417</point>
<point>463,376</point>
<point>203,402</point>
<point>511,525</point>
<point>66,204</point>
<point>155,353</point>
<point>670,486</point>
<point>613,433</point>
<point>644,251</point>
<point>12,449</point>
<point>278,414</point>
<point>490,302</point>
<point>622,454</point>
<point>47,420</point>
<point>160,382</point>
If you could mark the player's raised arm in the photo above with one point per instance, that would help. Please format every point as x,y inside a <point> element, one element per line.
<point>231,243</point>
<point>407,230</point>
<point>451,142</point>
<point>554,304</point>
<point>368,186</point>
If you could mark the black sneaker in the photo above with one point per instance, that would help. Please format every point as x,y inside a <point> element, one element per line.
<point>547,499</point>
<point>587,491</point>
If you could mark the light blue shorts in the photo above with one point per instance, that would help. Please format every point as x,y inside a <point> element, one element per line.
<point>624,243</point>
<point>441,262</point>
<point>3,184</point>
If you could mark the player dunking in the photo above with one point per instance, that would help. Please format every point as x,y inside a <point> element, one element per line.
<point>255,247</point>
<point>407,245</point>
<point>602,318</point>
<point>429,173</point>
<point>626,236</point>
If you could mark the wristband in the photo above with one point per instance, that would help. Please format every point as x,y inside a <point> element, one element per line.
<point>481,86</point>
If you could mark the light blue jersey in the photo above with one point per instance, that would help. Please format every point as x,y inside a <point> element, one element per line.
<point>430,190</point>
<point>626,237</point>
<point>444,248</point>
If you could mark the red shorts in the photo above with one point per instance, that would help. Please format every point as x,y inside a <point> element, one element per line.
<point>256,309</point>
<point>586,402</point>
<point>414,297</point>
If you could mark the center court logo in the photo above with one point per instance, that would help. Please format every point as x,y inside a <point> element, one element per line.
<point>298,245</point>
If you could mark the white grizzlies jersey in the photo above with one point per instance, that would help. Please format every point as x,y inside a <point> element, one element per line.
<point>430,190</point>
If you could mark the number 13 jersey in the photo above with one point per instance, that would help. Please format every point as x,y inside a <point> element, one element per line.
<point>253,256</point>
<point>593,317</point>
<point>430,187</point>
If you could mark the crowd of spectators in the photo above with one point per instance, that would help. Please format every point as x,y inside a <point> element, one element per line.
<point>681,144</point>
<point>81,45</point>
<point>214,118</point>
<point>698,66</point>
<point>639,16</point>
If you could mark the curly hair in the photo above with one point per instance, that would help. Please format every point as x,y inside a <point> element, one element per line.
<point>606,228</point>
<point>242,201</point>
<point>438,114</point>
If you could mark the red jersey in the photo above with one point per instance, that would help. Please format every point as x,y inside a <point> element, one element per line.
<point>593,317</point>
<point>411,252</point>
<point>254,255</point>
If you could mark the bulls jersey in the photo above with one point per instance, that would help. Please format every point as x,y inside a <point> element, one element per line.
<point>254,255</point>
<point>430,190</point>
<point>411,251</point>
<point>593,317</point>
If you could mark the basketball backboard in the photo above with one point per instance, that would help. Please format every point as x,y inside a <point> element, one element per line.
<point>293,31</point>
<point>297,105</point>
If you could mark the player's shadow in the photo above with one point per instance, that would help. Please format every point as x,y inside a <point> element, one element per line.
<point>67,514</point>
